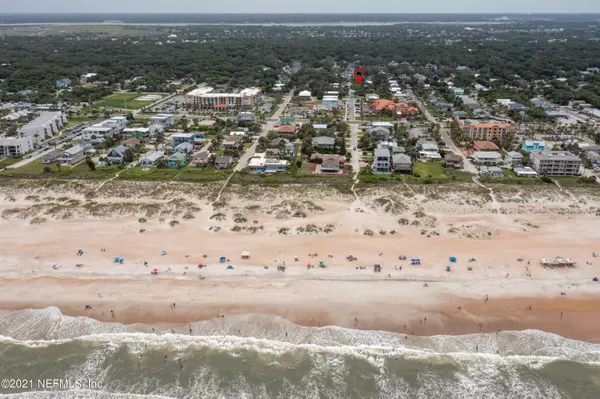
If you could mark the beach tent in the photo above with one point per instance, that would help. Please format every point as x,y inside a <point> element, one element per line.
<point>452,259</point>
<point>377,268</point>
<point>229,267</point>
<point>415,261</point>
<point>222,259</point>
<point>245,254</point>
<point>448,268</point>
<point>163,252</point>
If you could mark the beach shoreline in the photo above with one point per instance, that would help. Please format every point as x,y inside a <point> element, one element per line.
<point>497,241</point>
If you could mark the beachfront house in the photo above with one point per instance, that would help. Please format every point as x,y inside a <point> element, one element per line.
<point>323,142</point>
<point>151,159</point>
<point>487,157</point>
<point>71,156</point>
<point>51,156</point>
<point>200,159</point>
<point>453,160</point>
<point>381,161</point>
<point>176,160</point>
<point>223,162</point>
<point>115,155</point>
<point>401,163</point>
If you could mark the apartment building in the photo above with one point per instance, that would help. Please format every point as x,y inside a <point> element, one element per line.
<point>109,127</point>
<point>484,131</point>
<point>330,101</point>
<point>44,126</point>
<point>14,146</point>
<point>555,163</point>
<point>206,98</point>
<point>381,161</point>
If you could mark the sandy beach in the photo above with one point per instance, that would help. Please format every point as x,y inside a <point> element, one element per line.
<point>45,224</point>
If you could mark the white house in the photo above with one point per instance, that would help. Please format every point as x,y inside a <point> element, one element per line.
<point>487,156</point>
<point>381,161</point>
<point>44,126</point>
<point>515,158</point>
<point>305,93</point>
<point>14,146</point>
<point>107,128</point>
<point>268,165</point>
<point>115,155</point>
<point>245,116</point>
<point>163,119</point>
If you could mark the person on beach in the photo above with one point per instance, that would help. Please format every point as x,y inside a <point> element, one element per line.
<point>355,321</point>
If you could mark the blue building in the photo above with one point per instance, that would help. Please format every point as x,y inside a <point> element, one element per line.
<point>533,145</point>
<point>63,82</point>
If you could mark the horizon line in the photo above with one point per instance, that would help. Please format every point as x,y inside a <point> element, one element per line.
<point>304,13</point>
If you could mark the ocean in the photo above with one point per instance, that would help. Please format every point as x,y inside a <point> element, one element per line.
<point>258,356</point>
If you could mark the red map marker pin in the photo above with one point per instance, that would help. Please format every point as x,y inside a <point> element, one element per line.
<point>359,74</point>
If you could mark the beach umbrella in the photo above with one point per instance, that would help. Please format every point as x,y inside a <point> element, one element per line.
<point>452,259</point>
<point>229,267</point>
<point>222,259</point>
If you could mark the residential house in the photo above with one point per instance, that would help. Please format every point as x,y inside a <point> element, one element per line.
<point>381,161</point>
<point>14,146</point>
<point>163,119</point>
<point>594,157</point>
<point>178,138</point>
<point>457,91</point>
<point>184,148</point>
<point>200,159</point>
<point>17,117</point>
<point>285,120</point>
<point>332,163</point>
<point>533,145</point>
<point>387,145</point>
<point>319,126</point>
<point>288,131</point>
<point>90,152</point>
<point>379,134</point>
<point>283,147</point>
<point>305,94</point>
<point>401,163</point>
<point>261,163</point>
<point>397,150</point>
<point>223,162</point>
<point>516,106</point>
<point>246,116</point>
<point>131,143</point>
<point>586,147</point>
<point>176,160</point>
<point>323,142</point>
<point>143,133</point>
<point>51,156</point>
<point>525,172</point>
<point>44,126</point>
<point>485,146</point>
<point>555,163</point>
<point>453,160</point>
<point>152,158</point>
<point>429,147</point>
<point>538,102</point>
<point>469,102</point>
<point>232,143</point>
<point>430,156</point>
<point>490,171</point>
<point>487,157</point>
<point>71,156</point>
<point>515,158</point>
<point>115,155</point>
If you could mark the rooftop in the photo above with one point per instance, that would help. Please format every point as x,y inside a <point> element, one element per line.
<point>556,155</point>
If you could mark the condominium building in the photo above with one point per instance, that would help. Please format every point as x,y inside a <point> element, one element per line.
<point>555,163</point>
<point>109,127</point>
<point>14,146</point>
<point>44,126</point>
<point>206,98</point>
<point>484,131</point>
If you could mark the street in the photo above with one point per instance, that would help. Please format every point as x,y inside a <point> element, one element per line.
<point>467,165</point>
<point>249,153</point>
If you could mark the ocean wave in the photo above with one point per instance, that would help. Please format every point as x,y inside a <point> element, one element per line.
<point>258,356</point>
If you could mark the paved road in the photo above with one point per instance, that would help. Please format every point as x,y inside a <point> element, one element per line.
<point>467,165</point>
<point>350,119</point>
<point>243,162</point>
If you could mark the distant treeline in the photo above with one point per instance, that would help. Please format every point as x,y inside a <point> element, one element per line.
<point>283,18</point>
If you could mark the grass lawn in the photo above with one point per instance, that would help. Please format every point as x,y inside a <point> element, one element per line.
<point>433,170</point>
<point>4,162</point>
<point>187,173</point>
<point>36,168</point>
<point>122,100</point>
<point>247,145</point>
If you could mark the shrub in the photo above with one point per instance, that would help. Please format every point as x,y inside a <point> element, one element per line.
<point>142,220</point>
